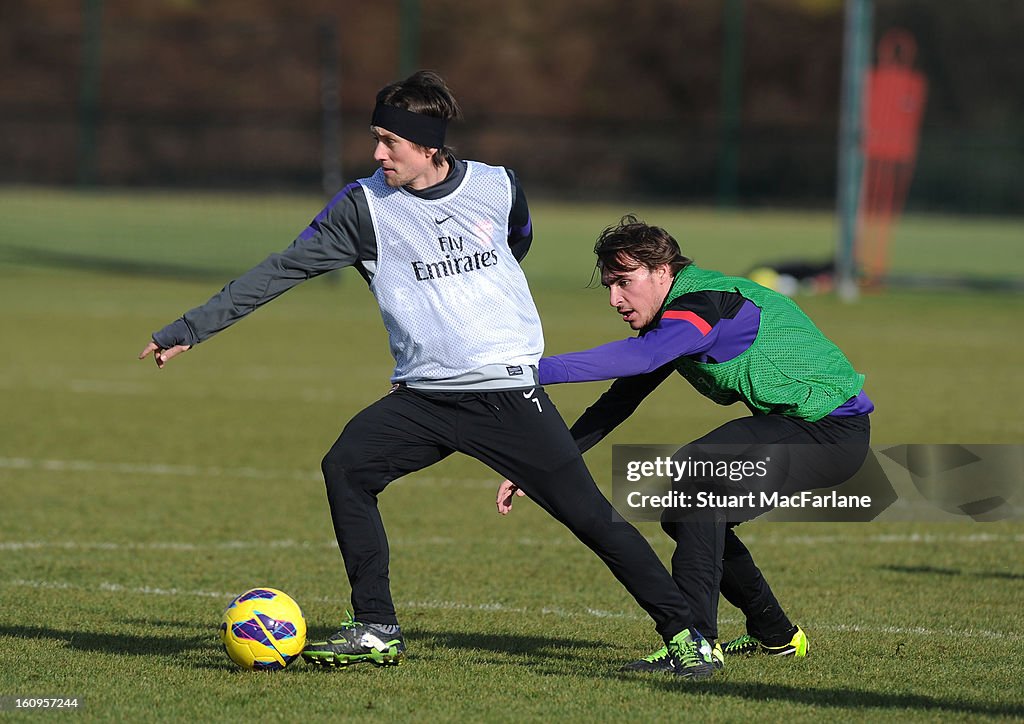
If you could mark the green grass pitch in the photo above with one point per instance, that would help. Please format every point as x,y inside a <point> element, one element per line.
<point>136,502</point>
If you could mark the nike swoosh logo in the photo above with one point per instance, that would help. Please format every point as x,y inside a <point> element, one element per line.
<point>441,221</point>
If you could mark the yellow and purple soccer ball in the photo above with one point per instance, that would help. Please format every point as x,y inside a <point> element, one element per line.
<point>263,630</point>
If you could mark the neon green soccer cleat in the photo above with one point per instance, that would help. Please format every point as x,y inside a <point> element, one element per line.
<point>747,645</point>
<point>691,654</point>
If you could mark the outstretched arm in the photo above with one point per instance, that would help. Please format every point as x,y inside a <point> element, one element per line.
<point>670,339</point>
<point>334,239</point>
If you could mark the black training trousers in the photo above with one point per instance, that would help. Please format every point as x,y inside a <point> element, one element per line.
<point>517,433</point>
<point>709,556</point>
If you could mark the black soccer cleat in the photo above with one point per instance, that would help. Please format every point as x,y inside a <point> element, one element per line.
<point>356,643</point>
<point>659,661</point>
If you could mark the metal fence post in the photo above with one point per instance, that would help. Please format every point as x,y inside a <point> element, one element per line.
<point>89,91</point>
<point>856,45</point>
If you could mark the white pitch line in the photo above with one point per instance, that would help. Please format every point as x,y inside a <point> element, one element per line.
<point>493,607</point>
<point>107,587</point>
<point>194,471</point>
<point>157,546</point>
<point>172,546</point>
<point>400,542</point>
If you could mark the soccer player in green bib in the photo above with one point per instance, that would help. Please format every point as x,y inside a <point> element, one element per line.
<point>734,341</point>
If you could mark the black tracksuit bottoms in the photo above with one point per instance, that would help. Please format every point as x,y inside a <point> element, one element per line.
<point>517,433</point>
<point>709,556</point>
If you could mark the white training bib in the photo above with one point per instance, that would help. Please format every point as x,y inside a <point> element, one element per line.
<point>452,296</point>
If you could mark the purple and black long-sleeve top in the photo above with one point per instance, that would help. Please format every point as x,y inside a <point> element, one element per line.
<point>706,326</point>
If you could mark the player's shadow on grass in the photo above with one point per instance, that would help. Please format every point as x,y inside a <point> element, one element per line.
<point>932,570</point>
<point>111,643</point>
<point>499,648</point>
<point>834,698</point>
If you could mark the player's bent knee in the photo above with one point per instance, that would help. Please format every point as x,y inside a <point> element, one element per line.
<point>335,465</point>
